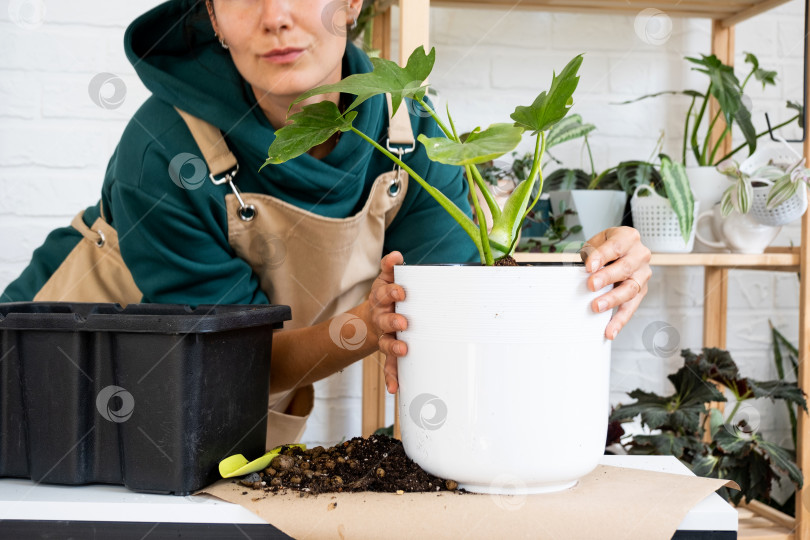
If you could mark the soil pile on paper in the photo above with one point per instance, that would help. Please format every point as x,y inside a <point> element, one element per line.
<point>377,463</point>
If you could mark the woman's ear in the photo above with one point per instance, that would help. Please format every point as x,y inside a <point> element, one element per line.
<point>209,5</point>
<point>353,13</point>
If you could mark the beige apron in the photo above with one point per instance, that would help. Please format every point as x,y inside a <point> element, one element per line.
<point>319,266</point>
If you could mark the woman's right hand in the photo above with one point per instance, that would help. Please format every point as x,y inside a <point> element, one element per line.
<point>383,297</point>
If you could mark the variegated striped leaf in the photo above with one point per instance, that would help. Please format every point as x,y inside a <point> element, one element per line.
<point>782,190</point>
<point>726,203</point>
<point>679,194</point>
<point>568,129</point>
<point>743,193</point>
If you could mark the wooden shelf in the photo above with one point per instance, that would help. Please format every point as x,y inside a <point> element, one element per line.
<point>783,260</point>
<point>726,12</point>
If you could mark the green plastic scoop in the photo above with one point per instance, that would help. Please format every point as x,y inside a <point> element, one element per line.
<point>238,465</point>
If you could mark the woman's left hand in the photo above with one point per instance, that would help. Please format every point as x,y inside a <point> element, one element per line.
<point>616,255</point>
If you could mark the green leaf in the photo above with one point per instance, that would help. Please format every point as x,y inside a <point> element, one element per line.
<point>479,146</point>
<point>654,410</point>
<point>727,90</point>
<point>308,128</point>
<point>552,106</point>
<point>569,128</point>
<point>726,203</point>
<point>798,107</point>
<point>705,465</point>
<point>715,421</point>
<point>679,194</point>
<point>505,227</point>
<point>762,75</point>
<point>386,77</point>
<point>664,444</point>
<point>773,390</point>
<point>742,194</point>
<point>566,179</point>
<point>781,191</point>
<point>782,459</point>
<point>691,93</point>
<point>732,440</point>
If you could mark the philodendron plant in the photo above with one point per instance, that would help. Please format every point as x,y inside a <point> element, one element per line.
<point>316,123</point>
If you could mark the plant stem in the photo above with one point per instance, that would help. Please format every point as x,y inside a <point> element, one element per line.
<point>698,120</point>
<point>726,131</point>
<point>730,417</point>
<point>743,145</point>
<point>454,211</point>
<point>494,209</point>
<point>448,133</point>
<point>686,129</point>
<point>590,156</point>
<point>705,151</point>
<point>482,221</point>
<point>539,149</point>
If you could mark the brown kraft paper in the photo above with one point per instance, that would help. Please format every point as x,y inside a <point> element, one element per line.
<point>609,503</point>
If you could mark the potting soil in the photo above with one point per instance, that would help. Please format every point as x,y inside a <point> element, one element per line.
<point>377,463</point>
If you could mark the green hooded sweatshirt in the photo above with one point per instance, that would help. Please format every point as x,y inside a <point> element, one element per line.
<point>174,238</point>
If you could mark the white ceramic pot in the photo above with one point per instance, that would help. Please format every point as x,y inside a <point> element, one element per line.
<point>790,210</point>
<point>505,385</point>
<point>658,224</point>
<point>738,233</point>
<point>707,185</point>
<point>596,209</point>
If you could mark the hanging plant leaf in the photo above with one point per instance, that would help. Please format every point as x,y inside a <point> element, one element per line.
<point>569,128</point>
<point>566,179</point>
<point>478,147</point>
<point>308,128</point>
<point>552,106</point>
<point>386,77</point>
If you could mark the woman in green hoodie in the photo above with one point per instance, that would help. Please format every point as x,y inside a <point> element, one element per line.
<point>191,219</point>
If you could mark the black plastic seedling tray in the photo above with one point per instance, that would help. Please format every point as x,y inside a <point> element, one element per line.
<point>151,396</point>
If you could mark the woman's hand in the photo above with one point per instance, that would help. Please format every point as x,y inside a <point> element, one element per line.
<point>384,295</point>
<point>616,255</point>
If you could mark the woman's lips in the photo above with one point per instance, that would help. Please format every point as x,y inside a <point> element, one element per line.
<point>283,56</point>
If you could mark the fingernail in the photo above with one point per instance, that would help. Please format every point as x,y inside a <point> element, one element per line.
<point>614,334</point>
<point>601,305</point>
<point>585,252</point>
<point>399,349</point>
<point>597,283</point>
<point>594,266</point>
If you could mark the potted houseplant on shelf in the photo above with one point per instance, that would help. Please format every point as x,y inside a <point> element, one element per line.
<point>594,205</point>
<point>665,214</point>
<point>474,374</point>
<point>712,443</point>
<point>727,90</point>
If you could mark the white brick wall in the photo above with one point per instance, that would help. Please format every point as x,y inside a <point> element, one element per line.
<point>55,143</point>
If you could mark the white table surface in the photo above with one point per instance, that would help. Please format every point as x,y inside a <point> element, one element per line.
<point>26,500</point>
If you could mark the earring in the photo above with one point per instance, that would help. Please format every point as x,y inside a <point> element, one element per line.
<point>353,25</point>
<point>221,41</point>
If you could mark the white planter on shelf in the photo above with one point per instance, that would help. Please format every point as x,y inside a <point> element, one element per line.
<point>505,385</point>
<point>596,209</point>
<point>707,185</point>
<point>790,210</point>
<point>657,222</point>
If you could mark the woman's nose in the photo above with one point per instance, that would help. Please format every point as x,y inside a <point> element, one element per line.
<point>276,15</point>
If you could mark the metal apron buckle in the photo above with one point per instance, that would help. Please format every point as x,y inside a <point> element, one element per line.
<point>246,211</point>
<point>393,189</point>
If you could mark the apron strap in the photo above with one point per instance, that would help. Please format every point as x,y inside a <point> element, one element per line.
<point>399,127</point>
<point>220,159</point>
<point>212,144</point>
